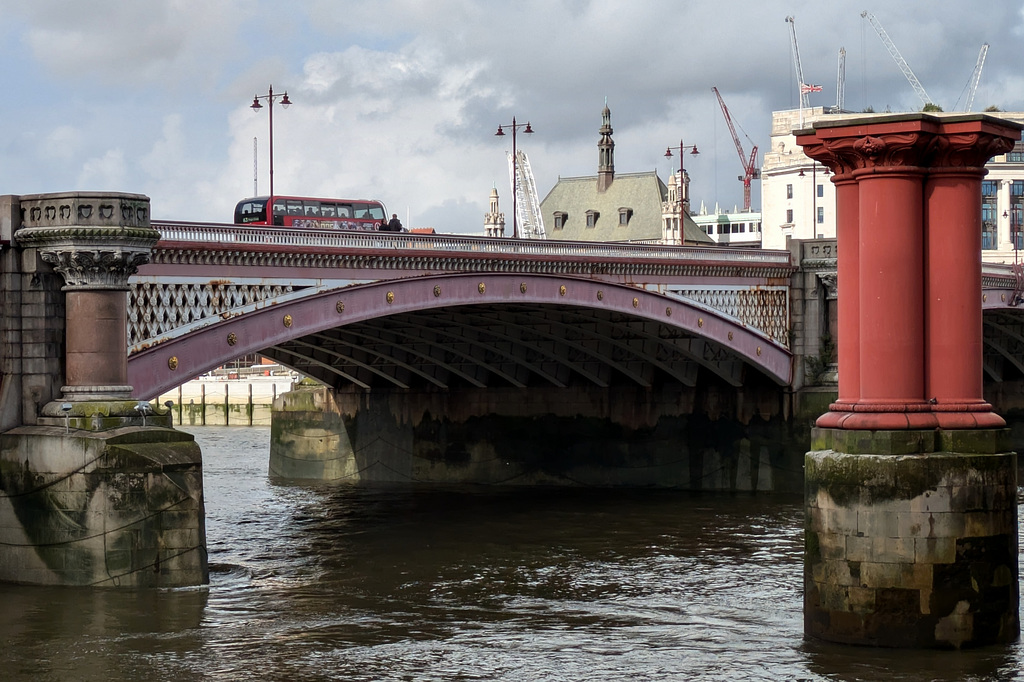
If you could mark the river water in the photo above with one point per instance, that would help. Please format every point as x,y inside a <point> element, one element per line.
<point>328,583</point>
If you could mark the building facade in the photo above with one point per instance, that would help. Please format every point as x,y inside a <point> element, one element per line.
<point>797,199</point>
<point>735,228</point>
<point>612,207</point>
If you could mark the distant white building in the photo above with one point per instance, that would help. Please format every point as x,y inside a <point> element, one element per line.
<point>735,228</point>
<point>798,198</point>
<point>1002,204</point>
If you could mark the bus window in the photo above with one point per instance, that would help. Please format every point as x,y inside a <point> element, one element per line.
<point>328,210</point>
<point>344,211</point>
<point>376,211</point>
<point>252,211</point>
<point>279,207</point>
<point>312,209</point>
<point>295,207</point>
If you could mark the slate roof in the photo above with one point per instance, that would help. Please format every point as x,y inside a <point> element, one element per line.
<point>641,193</point>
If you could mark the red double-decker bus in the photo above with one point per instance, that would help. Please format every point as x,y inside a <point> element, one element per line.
<point>309,212</point>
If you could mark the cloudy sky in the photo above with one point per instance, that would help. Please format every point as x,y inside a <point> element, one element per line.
<point>399,99</point>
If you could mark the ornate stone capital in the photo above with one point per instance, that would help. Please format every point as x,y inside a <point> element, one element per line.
<point>969,150</point>
<point>95,240</point>
<point>908,141</point>
<point>830,282</point>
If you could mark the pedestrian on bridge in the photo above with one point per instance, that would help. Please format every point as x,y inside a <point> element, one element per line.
<point>394,225</point>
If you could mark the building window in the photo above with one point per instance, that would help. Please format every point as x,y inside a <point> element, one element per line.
<point>821,215</point>
<point>988,223</point>
<point>624,216</point>
<point>789,216</point>
<point>1015,156</point>
<point>560,219</point>
<point>592,217</point>
<point>789,193</point>
<point>821,190</point>
<point>988,188</point>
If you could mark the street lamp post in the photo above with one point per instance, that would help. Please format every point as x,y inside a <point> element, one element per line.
<point>1012,215</point>
<point>256,106</point>
<point>668,155</point>
<point>515,166</point>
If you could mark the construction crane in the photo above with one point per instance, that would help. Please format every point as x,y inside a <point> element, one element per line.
<point>528,215</point>
<point>841,81</point>
<point>975,77</point>
<point>805,100</point>
<point>900,61</point>
<point>749,165</point>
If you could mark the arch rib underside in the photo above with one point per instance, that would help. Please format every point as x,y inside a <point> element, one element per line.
<point>516,345</point>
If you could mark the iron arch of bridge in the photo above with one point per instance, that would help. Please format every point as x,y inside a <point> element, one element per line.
<point>474,329</point>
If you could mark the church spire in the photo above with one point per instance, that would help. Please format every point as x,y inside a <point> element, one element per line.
<point>606,151</point>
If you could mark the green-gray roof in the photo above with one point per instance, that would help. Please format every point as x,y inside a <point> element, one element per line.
<point>640,195</point>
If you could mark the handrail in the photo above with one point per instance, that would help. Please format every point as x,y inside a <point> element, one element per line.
<point>228,234</point>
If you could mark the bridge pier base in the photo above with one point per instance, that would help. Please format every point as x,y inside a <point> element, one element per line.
<point>115,508</point>
<point>705,438</point>
<point>911,538</point>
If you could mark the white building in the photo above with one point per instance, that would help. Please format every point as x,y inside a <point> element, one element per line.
<point>798,198</point>
<point>730,228</point>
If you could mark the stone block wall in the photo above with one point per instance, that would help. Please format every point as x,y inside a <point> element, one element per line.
<point>911,550</point>
<point>120,508</point>
<point>31,327</point>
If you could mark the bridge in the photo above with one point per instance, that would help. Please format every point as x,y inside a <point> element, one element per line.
<point>405,310</point>
<point>402,310</point>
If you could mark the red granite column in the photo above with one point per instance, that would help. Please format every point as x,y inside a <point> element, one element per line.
<point>953,339</point>
<point>848,272</point>
<point>96,338</point>
<point>881,263</point>
<point>891,295</point>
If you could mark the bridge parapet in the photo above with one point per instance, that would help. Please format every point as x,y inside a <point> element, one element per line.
<point>503,250</point>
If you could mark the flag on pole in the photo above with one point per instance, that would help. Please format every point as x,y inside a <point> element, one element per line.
<point>805,88</point>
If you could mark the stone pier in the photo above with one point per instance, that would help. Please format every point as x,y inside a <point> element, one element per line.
<point>95,487</point>
<point>711,437</point>
<point>911,514</point>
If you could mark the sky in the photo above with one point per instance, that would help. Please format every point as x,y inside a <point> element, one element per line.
<point>399,100</point>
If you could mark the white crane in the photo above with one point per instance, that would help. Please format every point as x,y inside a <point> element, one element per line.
<point>528,215</point>
<point>900,61</point>
<point>841,81</point>
<point>805,101</point>
<point>975,77</point>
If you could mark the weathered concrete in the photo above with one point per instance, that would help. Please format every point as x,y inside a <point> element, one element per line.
<point>117,508</point>
<point>710,438</point>
<point>911,538</point>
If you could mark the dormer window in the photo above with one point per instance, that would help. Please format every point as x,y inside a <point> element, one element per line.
<point>560,218</point>
<point>592,217</point>
<point>624,215</point>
